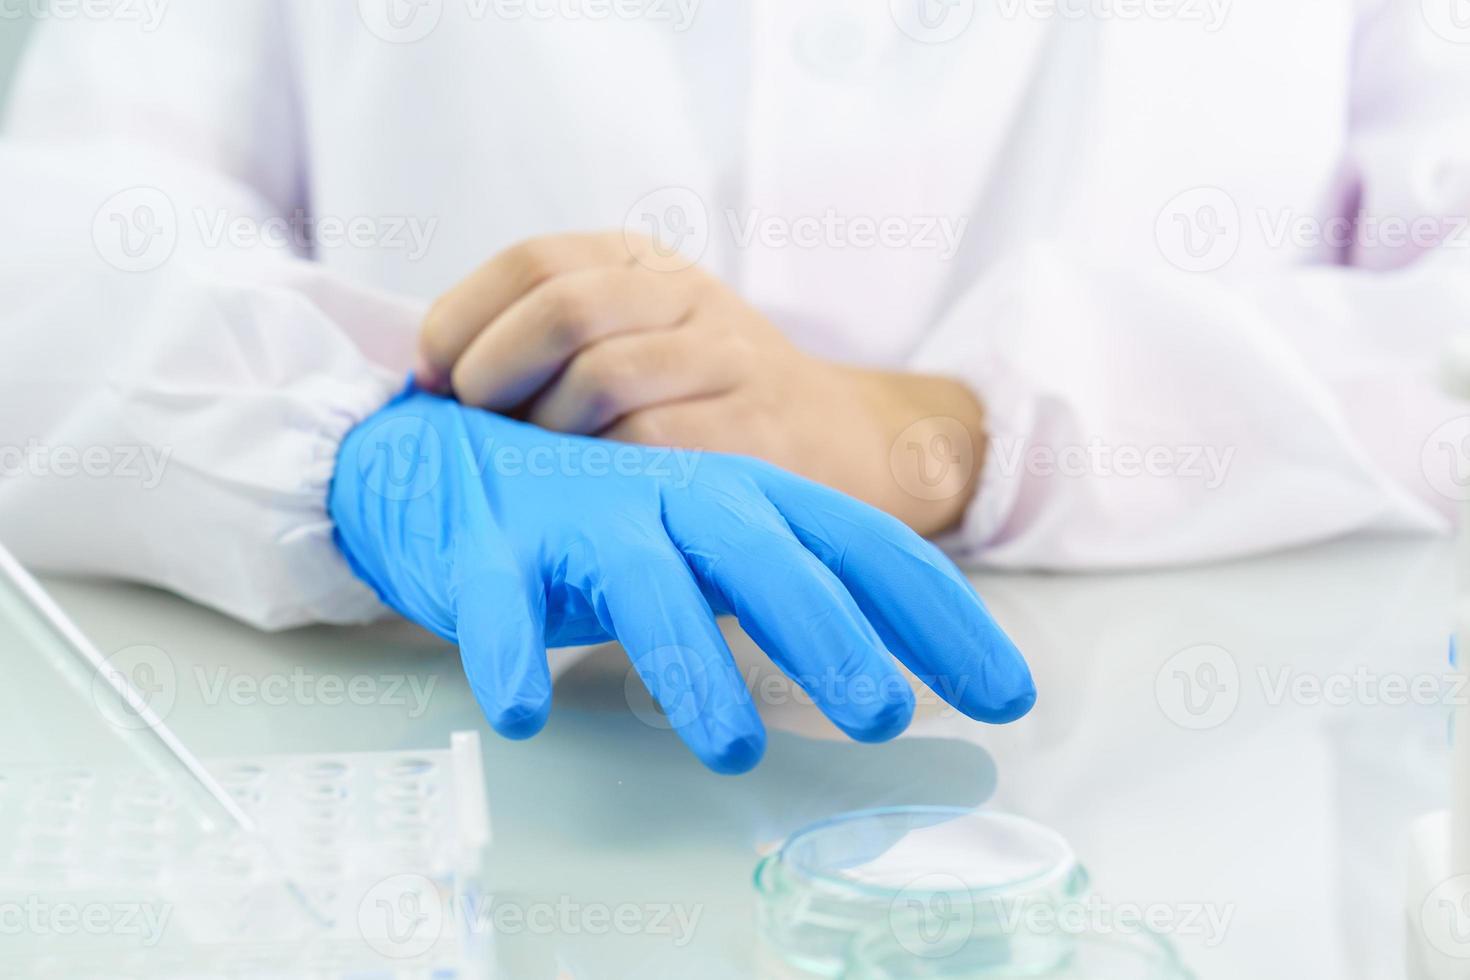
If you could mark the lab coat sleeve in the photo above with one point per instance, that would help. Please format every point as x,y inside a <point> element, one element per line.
<point>1144,414</point>
<point>175,392</point>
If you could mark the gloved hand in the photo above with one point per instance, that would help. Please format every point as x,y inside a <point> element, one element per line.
<point>506,540</point>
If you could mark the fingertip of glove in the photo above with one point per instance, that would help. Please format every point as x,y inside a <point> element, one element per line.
<point>521,720</point>
<point>738,756</point>
<point>1006,700</point>
<point>887,722</point>
<point>1014,709</point>
<point>1006,691</point>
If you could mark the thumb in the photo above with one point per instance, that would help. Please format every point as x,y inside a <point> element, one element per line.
<point>502,644</point>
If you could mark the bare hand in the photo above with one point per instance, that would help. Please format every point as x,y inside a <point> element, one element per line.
<point>602,335</point>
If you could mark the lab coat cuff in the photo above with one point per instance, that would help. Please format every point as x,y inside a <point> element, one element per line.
<point>1009,421</point>
<point>329,590</point>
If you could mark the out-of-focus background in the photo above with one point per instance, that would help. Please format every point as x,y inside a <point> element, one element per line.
<point>14,24</point>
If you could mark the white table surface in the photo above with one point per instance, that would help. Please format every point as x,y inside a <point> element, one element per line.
<point>1288,816</point>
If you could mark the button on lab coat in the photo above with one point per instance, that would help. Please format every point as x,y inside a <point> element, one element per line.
<point>1114,221</point>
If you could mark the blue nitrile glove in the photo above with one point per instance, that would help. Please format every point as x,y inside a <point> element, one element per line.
<point>507,539</point>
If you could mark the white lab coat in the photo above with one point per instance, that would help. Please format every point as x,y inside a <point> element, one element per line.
<point>1076,164</point>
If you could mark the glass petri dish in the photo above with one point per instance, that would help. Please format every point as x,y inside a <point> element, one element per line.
<point>967,873</point>
<point>908,953</point>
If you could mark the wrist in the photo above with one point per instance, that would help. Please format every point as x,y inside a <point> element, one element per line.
<point>932,441</point>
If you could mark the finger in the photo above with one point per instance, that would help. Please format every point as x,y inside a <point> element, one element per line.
<point>502,643</point>
<point>649,601</point>
<point>515,355</point>
<point>795,609</point>
<point>630,373</point>
<point>922,607</point>
<point>460,314</point>
<point>695,424</point>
